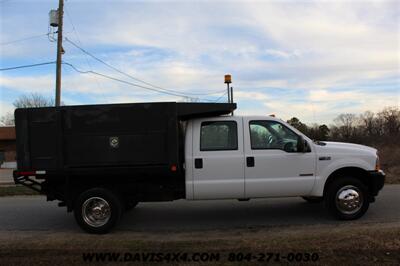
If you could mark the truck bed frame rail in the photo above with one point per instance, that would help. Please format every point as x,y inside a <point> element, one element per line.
<point>28,182</point>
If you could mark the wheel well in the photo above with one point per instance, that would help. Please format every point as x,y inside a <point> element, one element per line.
<point>355,172</point>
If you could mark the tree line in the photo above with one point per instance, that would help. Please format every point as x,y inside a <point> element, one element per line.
<point>370,128</point>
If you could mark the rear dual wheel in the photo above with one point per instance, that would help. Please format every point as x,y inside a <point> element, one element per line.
<point>98,210</point>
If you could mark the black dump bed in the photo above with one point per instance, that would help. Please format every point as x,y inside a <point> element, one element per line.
<point>137,135</point>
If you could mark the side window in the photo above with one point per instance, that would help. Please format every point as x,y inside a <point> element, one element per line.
<point>272,135</point>
<point>260,136</point>
<point>218,136</point>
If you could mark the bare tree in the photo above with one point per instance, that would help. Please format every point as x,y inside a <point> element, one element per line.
<point>33,100</point>
<point>368,120</point>
<point>26,101</point>
<point>7,119</point>
<point>346,124</point>
<point>391,116</point>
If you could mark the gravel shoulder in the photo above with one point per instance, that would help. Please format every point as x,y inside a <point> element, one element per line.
<point>366,244</point>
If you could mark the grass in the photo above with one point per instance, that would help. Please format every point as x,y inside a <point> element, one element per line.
<point>389,157</point>
<point>16,191</point>
<point>345,244</point>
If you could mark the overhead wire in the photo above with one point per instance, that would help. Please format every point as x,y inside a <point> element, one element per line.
<point>108,77</point>
<point>23,39</point>
<point>220,97</point>
<point>27,66</point>
<point>79,41</point>
<point>134,78</point>
<point>129,83</point>
<point>152,87</point>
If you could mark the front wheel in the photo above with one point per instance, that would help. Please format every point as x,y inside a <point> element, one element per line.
<point>347,198</point>
<point>97,210</point>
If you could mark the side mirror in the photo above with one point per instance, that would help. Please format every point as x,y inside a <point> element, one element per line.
<point>301,145</point>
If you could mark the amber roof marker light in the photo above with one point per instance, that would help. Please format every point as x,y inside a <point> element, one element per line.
<point>228,81</point>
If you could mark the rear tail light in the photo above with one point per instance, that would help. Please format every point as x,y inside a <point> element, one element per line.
<point>30,173</point>
<point>173,168</point>
<point>26,173</point>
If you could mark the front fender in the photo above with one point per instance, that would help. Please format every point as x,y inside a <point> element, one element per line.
<point>326,168</point>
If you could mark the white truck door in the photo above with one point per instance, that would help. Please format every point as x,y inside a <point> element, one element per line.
<point>218,158</point>
<point>273,165</point>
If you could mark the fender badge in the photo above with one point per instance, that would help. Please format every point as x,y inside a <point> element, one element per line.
<point>114,142</point>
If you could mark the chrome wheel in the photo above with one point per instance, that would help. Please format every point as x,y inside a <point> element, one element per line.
<point>96,211</point>
<point>349,199</point>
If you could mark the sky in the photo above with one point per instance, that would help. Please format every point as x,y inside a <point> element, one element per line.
<point>307,59</point>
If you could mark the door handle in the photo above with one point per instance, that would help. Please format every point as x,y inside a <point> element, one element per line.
<point>250,162</point>
<point>198,163</point>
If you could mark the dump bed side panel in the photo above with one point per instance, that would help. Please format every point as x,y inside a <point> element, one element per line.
<point>97,135</point>
<point>37,138</point>
<point>119,135</point>
<point>22,141</point>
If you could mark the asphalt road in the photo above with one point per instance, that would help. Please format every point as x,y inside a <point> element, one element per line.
<point>33,213</point>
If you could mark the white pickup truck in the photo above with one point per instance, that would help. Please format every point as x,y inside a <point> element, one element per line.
<point>213,157</point>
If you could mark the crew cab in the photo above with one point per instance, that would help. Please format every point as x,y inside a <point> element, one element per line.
<point>102,160</point>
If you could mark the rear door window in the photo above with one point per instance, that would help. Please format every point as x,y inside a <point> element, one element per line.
<point>218,136</point>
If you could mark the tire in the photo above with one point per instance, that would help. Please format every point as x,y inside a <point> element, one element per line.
<point>97,210</point>
<point>347,198</point>
<point>313,200</point>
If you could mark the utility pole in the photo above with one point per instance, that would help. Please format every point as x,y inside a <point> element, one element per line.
<point>59,51</point>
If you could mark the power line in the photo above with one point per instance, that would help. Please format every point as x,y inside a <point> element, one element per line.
<point>76,34</point>
<point>27,66</point>
<point>126,82</point>
<point>220,97</point>
<point>106,76</point>
<point>132,77</point>
<point>23,39</point>
<point>80,43</point>
<point>130,83</point>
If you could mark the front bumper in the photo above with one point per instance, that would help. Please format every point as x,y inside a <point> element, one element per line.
<point>377,179</point>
